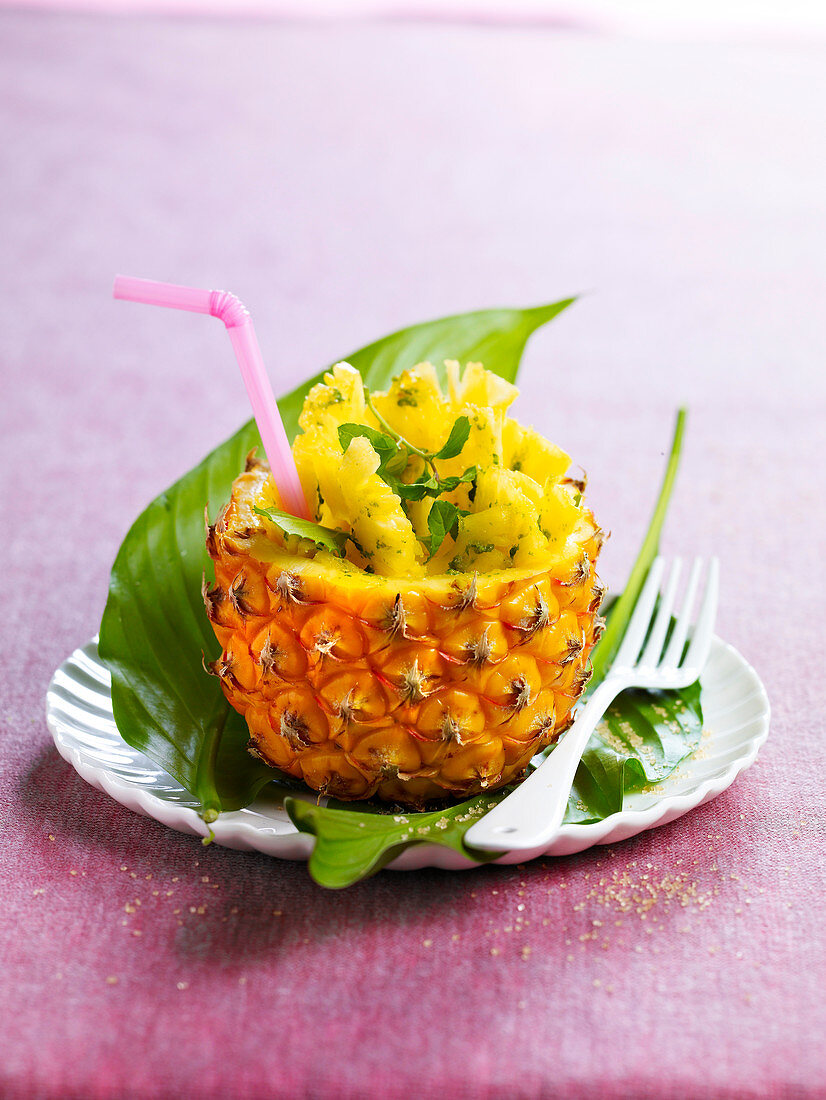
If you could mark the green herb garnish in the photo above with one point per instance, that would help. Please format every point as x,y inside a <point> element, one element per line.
<point>395,457</point>
<point>325,538</point>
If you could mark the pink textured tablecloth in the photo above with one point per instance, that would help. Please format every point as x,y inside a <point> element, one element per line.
<point>345,181</point>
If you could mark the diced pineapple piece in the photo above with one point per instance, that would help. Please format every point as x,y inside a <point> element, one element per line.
<point>561,511</point>
<point>339,399</point>
<point>478,386</point>
<point>416,408</point>
<point>503,527</point>
<point>484,444</point>
<point>318,459</point>
<point>419,510</point>
<point>528,451</point>
<point>498,485</point>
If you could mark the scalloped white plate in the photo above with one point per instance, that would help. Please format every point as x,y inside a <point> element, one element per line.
<point>79,713</point>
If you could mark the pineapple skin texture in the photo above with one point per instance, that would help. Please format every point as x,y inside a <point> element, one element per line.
<point>406,689</point>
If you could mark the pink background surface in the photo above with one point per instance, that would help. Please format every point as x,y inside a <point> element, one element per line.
<point>349,180</point>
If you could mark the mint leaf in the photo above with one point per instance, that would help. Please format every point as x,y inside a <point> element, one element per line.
<point>384,445</point>
<point>429,486</point>
<point>325,538</point>
<point>448,484</point>
<point>456,440</point>
<point>425,486</point>
<point>394,466</point>
<point>442,520</point>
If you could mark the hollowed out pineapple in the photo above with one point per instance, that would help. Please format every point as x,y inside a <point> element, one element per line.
<point>391,672</point>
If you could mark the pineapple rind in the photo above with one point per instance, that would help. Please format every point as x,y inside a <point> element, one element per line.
<point>407,689</point>
<point>382,673</point>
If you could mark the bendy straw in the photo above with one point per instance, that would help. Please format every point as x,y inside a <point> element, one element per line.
<point>227,308</point>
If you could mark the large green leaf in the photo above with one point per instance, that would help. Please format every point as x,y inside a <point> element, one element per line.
<point>642,739</point>
<point>154,629</point>
<point>609,644</point>
<point>495,337</point>
<point>354,841</point>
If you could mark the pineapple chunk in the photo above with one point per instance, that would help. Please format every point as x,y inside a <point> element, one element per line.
<point>528,451</point>
<point>478,386</point>
<point>503,529</point>
<point>318,459</point>
<point>339,399</point>
<point>416,408</point>
<point>561,511</point>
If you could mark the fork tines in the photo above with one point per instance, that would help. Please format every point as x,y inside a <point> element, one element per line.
<point>648,631</point>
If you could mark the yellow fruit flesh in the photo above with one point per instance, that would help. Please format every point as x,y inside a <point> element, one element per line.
<point>520,511</point>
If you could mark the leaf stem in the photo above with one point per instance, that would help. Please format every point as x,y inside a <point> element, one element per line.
<point>205,787</point>
<point>621,612</point>
<point>425,456</point>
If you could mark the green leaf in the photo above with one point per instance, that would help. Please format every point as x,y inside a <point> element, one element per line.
<point>354,842</point>
<point>495,337</point>
<point>325,538</point>
<point>442,520</point>
<point>384,446</point>
<point>154,629</point>
<point>392,468</point>
<point>605,651</point>
<point>425,486</point>
<point>642,739</point>
<point>456,440</point>
<point>448,484</point>
<point>429,486</point>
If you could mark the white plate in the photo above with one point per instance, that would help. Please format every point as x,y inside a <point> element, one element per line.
<point>79,713</point>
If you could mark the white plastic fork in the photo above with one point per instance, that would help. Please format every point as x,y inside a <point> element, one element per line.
<point>531,815</point>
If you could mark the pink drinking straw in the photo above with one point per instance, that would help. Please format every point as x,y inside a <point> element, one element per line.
<point>227,308</point>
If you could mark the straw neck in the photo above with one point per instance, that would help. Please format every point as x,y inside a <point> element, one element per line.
<point>228,308</point>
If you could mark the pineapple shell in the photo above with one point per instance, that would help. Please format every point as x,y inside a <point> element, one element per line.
<point>408,690</point>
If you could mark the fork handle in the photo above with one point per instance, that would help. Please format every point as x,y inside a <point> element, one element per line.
<point>532,814</point>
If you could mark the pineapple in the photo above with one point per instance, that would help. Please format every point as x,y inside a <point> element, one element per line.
<point>427,662</point>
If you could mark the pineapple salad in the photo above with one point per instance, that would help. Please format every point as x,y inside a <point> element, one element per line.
<point>424,483</point>
<point>432,630</point>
